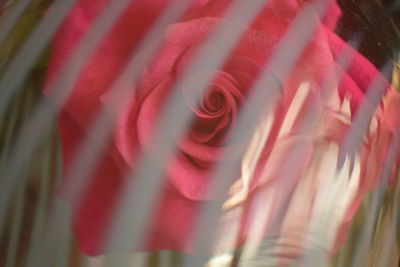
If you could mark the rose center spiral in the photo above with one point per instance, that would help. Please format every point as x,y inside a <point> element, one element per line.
<point>215,101</point>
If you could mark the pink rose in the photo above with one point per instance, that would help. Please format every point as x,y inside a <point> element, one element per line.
<point>188,172</point>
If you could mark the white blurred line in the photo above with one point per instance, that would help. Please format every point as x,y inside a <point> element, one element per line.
<point>36,236</point>
<point>19,67</point>
<point>132,216</point>
<point>364,115</point>
<point>36,127</point>
<point>101,128</point>
<point>295,106</point>
<point>121,88</point>
<point>343,59</point>
<point>11,17</point>
<point>367,231</point>
<point>300,32</point>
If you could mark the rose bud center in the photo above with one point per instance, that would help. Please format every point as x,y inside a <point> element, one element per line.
<point>214,101</point>
<point>215,109</point>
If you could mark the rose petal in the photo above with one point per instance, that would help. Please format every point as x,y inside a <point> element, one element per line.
<point>93,212</point>
<point>189,179</point>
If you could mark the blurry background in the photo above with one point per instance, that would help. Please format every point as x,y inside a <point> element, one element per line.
<point>375,22</point>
